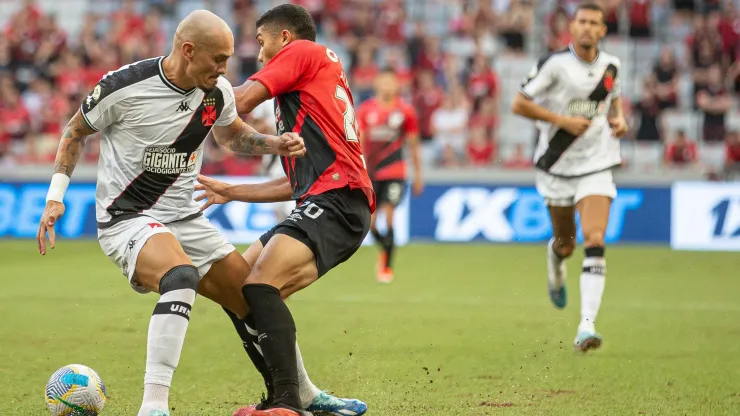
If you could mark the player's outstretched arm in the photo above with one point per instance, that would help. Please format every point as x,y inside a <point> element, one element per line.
<point>217,192</point>
<point>240,137</point>
<point>69,151</point>
<point>249,95</point>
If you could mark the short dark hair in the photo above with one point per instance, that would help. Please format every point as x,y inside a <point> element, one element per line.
<point>595,7</point>
<point>294,18</point>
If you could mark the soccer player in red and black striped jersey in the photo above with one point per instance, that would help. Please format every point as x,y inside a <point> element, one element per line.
<point>330,184</point>
<point>387,123</point>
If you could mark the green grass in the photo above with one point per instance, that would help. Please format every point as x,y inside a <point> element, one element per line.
<point>464,330</point>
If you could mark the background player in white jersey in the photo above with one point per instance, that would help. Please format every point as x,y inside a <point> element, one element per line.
<point>154,116</point>
<point>574,97</point>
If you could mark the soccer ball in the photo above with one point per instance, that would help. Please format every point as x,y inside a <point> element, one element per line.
<point>75,390</point>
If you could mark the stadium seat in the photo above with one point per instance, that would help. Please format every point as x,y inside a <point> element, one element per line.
<point>645,157</point>
<point>712,155</point>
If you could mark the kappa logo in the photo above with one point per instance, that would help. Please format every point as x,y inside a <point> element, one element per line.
<point>184,106</point>
<point>208,115</point>
<point>295,217</point>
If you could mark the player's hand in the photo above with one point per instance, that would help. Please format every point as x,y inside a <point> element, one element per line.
<point>574,125</point>
<point>214,191</point>
<point>619,126</point>
<point>53,211</point>
<point>291,144</point>
<point>418,186</point>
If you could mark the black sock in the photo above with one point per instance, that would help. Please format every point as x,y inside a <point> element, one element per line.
<point>379,239</point>
<point>390,246</point>
<point>250,342</point>
<point>277,337</point>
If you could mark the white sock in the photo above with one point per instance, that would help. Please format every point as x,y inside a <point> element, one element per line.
<point>308,391</point>
<point>167,330</point>
<point>593,279</point>
<point>554,274</point>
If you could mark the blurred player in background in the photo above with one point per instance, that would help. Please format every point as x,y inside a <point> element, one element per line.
<point>387,123</point>
<point>574,95</point>
<point>334,195</point>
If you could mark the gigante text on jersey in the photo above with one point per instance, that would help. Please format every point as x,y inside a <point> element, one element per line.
<point>165,160</point>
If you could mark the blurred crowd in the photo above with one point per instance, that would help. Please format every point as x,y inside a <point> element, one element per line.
<point>444,52</point>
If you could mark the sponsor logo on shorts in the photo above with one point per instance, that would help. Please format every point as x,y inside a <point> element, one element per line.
<point>166,160</point>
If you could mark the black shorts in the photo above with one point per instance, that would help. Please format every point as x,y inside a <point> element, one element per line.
<point>333,225</point>
<point>389,191</point>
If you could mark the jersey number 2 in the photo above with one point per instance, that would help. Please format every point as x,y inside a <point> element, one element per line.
<point>350,124</point>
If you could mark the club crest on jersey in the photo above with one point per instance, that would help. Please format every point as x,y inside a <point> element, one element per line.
<point>395,119</point>
<point>585,108</point>
<point>609,80</point>
<point>166,160</point>
<point>208,116</point>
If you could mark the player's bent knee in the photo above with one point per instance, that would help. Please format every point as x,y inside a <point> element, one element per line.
<point>565,246</point>
<point>185,276</point>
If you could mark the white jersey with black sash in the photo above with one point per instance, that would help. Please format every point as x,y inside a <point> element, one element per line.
<point>152,134</point>
<point>567,85</point>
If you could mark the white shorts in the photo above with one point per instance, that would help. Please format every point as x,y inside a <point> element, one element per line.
<point>200,241</point>
<point>566,192</point>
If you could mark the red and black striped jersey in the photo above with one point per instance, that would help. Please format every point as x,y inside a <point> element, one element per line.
<point>313,99</point>
<point>384,131</point>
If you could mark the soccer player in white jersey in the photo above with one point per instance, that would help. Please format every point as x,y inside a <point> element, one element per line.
<point>573,95</point>
<point>154,116</point>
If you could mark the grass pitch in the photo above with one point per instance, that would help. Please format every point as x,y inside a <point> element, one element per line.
<point>464,330</point>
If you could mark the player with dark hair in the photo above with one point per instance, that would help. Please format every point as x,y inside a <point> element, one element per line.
<point>574,95</point>
<point>386,124</point>
<point>334,195</point>
<point>154,116</point>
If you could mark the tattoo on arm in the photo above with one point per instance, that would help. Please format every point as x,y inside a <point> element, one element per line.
<point>249,141</point>
<point>71,145</point>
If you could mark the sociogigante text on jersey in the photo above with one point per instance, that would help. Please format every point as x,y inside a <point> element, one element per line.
<point>165,160</point>
<point>586,108</point>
